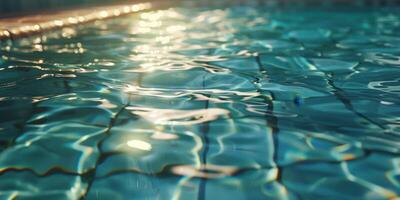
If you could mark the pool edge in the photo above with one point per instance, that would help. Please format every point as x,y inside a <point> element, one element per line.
<point>24,26</point>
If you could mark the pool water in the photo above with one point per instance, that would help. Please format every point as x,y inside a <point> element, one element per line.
<point>206,102</point>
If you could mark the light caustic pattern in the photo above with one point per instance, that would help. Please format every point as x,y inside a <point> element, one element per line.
<point>205,103</point>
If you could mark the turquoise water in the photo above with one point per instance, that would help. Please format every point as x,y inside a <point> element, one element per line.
<point>239,102</point>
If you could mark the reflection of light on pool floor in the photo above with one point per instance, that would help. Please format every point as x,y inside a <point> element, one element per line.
<point>178,117</point>
<point>205,171</point>
<point>139,144</point>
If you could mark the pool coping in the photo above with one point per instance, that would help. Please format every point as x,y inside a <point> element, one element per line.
<point>17,27</point>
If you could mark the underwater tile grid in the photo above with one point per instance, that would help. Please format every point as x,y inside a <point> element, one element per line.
<point>239,102</point>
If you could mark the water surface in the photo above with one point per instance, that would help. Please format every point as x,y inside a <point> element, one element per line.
<point>238,102</point>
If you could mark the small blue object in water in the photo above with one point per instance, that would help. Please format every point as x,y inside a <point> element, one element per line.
<point>297,100</point>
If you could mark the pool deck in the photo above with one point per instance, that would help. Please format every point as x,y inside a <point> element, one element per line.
<point>22,26</point>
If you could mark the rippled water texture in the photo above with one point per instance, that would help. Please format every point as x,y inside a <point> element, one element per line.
<point>205,103</point>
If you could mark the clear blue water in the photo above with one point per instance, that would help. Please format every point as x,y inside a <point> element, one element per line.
<point>239,102</point>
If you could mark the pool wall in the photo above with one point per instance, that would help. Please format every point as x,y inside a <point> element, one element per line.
<point>15,7</point>
<point>17,27</point>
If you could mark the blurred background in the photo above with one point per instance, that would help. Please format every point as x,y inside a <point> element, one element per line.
<point>17,7</point>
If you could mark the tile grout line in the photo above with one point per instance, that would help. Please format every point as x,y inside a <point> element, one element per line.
<point>92,175</point>
<point>201,195</point>
<point>340,94</point>
<point>272,122</point>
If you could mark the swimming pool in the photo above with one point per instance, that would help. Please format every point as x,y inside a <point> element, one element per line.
<point>205,102</point>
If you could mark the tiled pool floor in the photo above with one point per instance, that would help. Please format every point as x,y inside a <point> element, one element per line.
<point>205,103</point>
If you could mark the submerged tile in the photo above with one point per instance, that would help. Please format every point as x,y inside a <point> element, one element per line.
<point>26,185</point>
<point>196,79</point>
<point>140,186</point>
